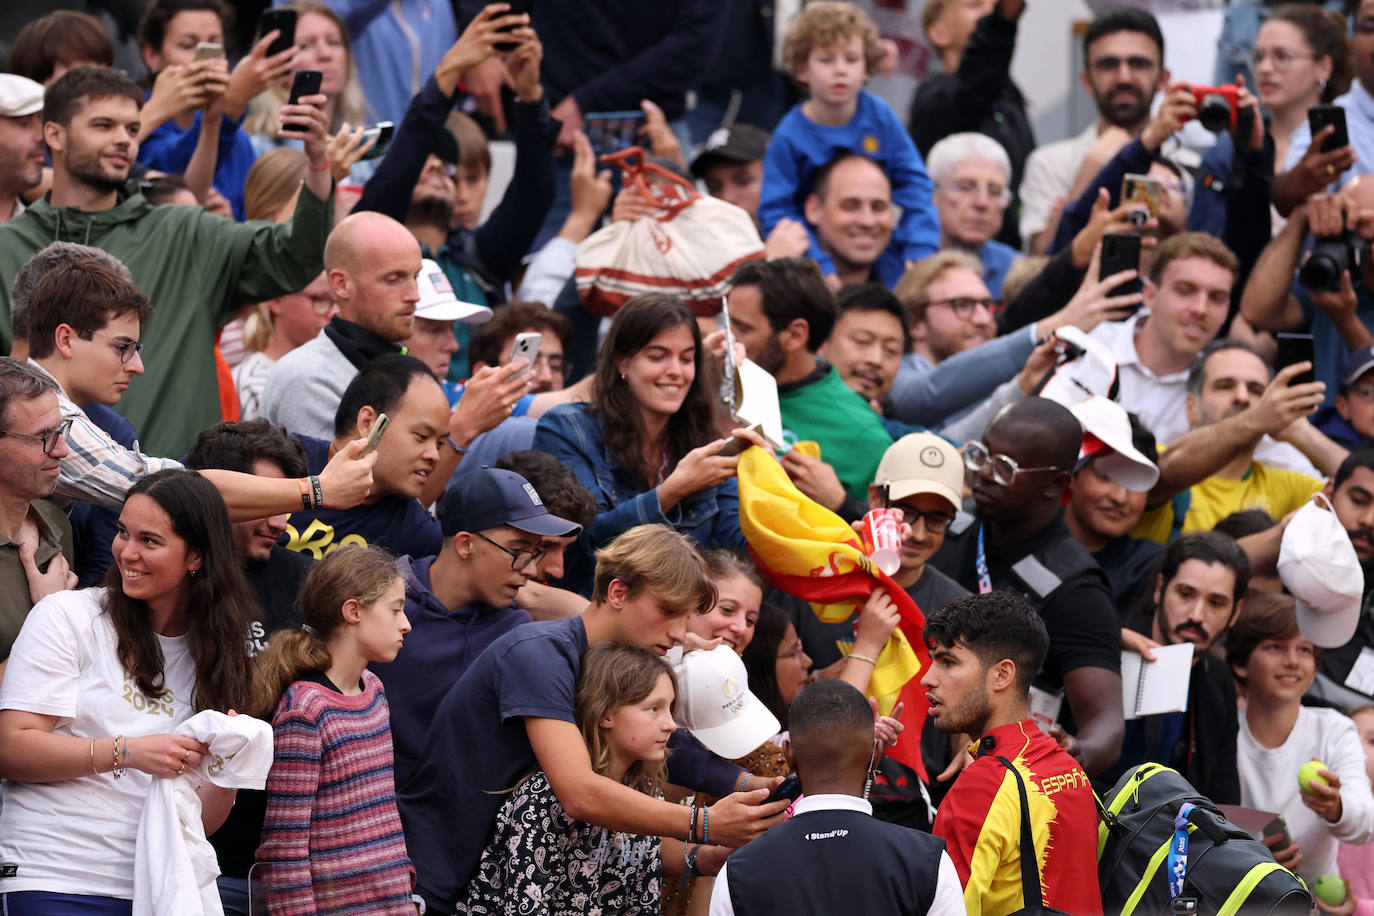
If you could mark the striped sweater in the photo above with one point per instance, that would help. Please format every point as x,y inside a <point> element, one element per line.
<point>331,841</point>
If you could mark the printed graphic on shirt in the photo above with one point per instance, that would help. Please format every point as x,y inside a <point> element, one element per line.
<point>145,704</point>
<point>318,539</point>
<point>256,640</point>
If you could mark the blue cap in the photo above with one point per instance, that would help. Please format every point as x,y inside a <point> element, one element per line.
<point>1356,365</point>
<point>491,497</point>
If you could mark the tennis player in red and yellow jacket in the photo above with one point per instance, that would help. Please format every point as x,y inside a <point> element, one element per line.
<point>984,651</point>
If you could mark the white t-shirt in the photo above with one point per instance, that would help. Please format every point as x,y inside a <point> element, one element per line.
<point>1269,781</point>
<point>77,836</point>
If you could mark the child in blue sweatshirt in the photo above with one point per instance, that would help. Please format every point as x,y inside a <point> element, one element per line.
<point>832,48</point>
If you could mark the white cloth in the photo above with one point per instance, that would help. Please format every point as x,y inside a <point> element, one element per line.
<point>1269,782</point>
<point>949,892</point>
<point>548,272</point>
<point>76,836</point>
<point>250,376</point>
<point>1050,171</point>
<point>174,865</point>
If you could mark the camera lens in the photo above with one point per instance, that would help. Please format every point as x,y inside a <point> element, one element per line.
<point>1138,216</point>
<point>1214,114</point>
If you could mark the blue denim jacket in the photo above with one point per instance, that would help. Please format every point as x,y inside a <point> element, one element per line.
<point>572,434</point>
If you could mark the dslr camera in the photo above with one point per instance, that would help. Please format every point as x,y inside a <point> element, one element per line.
<point>1331,256</point>
<point>1216,106</point>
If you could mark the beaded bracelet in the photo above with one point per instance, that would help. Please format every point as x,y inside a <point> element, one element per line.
<point>692,827</point>
<point>864,658</point>
<point>118,770</point>
<point>705,825</point>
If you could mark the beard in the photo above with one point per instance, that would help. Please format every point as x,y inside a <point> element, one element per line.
<point>772,357</point>
<point>431,210</point>
<point>1125,114</point>
<point>85,167</point>
<point>18,172</point>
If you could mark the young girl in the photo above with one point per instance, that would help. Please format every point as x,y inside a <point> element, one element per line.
<point>331,841</point>
<point>539,858</point>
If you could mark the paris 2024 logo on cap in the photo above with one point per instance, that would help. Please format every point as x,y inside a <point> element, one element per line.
<point>734,696</point>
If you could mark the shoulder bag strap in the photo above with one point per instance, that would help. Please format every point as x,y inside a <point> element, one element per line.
<point>1031,899</point>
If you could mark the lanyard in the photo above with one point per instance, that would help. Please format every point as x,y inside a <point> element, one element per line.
<point>1178,851</point>
<point>981,565</point>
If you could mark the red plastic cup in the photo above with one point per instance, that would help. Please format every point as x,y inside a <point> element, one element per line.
<point>882,536</point>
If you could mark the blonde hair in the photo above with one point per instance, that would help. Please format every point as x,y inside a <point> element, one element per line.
<point>914,288</point>
<point>355,572</point>
<point>1023,270</point>
<point>657,559</point>
<point>264,111</point>
<point>615,675</point>
<point>824,22</point>
<point>273,180</point>
<point>473,151</point>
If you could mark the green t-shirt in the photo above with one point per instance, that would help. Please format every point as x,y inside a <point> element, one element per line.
<point>850,434</point>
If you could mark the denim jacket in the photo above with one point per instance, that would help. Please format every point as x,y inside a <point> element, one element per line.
<point>572,434</point>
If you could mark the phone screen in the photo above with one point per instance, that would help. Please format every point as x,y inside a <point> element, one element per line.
<point>613,131</point>
<point>1297,348</point>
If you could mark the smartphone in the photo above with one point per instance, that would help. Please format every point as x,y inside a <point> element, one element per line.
<point>613,131</point>
<point>517,7</point>
<point>1146,193</point>
<point>284,22</point>
<point>1319,116</point>
<point>526,346</point>
<point>1121,251</point>
<point>209,50</point>
<point>382,131</point>
<point>734,447</point>
<point>1278,826</point>
<point>305,82</point>
<point>1297,348</point>
<point>790,789</point>
<point>374,435</point>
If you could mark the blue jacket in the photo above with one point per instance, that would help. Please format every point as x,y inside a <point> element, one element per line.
<point>572,434</point>
<point>169,149</point>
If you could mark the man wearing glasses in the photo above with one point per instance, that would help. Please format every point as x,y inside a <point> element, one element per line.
<point>1018,540</point>
<point>972,175</point>
<point>459,602</point>
<point>1349,422</point>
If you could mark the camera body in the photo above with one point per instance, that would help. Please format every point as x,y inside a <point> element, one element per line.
<point>1216,106</point>
<point>1331,256</point>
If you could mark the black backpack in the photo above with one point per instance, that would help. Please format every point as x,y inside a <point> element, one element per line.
<point>1228,871</point>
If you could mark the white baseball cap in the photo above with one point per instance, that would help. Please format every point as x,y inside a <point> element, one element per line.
<point>438,301</point>
<point>921,463</point>
<point>715,705</point>
<point>1319,567</point>
<point>1105,421</point>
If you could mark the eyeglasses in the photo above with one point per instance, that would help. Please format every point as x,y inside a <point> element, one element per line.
<point>448,168</point>
<point>791,653</point>
<point>936,522</point>
<point>1281,58</point>
<point>963,306</point>
<point>1004,467</point>
<point>126,348</point>
<point>322,305</point>
<point>48,439</point>
<point>969,187</point>
<point>519,559</point>
<point>1138,64</point>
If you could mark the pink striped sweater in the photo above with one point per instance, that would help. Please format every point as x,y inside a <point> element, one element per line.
<point>332,842</point>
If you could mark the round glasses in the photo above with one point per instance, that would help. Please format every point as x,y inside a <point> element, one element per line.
<point>1004,468</point>
<point>519,559</point>
<point>126,348</point>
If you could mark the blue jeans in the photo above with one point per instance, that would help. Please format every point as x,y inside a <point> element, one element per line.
<point>46,903</point>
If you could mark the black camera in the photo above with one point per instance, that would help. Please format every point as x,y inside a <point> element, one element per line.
<point>1331,256</point>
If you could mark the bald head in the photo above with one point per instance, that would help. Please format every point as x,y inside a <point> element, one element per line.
<point>372,262</point>
<point>1040,427</point>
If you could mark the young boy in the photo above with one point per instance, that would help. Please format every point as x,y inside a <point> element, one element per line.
<point>832,49</point>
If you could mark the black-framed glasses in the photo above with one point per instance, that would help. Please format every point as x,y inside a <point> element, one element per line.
<point>964,306</point>
<point>936,521</point>
<point>519,559</point>
<point>1137,63</point>
<point>126,348</point>
<point>48,439</point>
<point>1004,467</point>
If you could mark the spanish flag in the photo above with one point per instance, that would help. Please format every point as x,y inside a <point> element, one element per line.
<point>808,551</point>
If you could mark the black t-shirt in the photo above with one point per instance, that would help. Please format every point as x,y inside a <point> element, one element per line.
<point>277,582</point>
<point>1130,565</point>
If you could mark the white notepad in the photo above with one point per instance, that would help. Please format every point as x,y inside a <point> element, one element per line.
<point>1160,686</point>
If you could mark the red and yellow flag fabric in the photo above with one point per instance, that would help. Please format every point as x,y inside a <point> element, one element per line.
<point>808,551</point>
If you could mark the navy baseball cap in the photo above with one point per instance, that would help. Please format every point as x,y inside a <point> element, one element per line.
<point>491,497</point>
<point>1356,365</point>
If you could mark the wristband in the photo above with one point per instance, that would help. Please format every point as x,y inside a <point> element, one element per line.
<point>316,491</point>
<point>744,783</point>
<point>323,168</point>
<point>864,658</point>
<point>705,825</point>
<point>304,484</point>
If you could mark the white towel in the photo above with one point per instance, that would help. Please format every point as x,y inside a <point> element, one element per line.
<point>174,865</point>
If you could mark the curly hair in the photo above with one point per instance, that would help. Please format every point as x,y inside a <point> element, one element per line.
<point>824,22</point>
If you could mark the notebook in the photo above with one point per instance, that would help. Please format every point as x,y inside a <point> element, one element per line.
<point>1160,686</point>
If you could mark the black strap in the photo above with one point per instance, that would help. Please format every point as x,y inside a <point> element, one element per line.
<point>1030,872</point>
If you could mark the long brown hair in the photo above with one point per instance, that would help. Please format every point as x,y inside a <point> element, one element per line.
<point>355,572</point>
<point>615,675</point>
<point>220,600</point>
<point>622,424</point>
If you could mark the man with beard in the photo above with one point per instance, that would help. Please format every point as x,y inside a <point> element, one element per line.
<point>782,312</point>
<point>1123,55</point>
<point>197,269</point>
<point>1197,597</point>
<point>1018,540</point>
<point>1343,678</point>
<point>1211,472</point>
<point>21,141</point>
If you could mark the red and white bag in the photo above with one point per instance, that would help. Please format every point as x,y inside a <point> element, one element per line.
<point>689,249</point>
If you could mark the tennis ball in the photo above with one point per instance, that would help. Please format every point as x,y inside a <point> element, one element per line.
<point>1308,772</point>
<point>1330,889</point>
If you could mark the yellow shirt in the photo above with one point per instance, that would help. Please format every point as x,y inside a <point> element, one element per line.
<point>1275,490</point>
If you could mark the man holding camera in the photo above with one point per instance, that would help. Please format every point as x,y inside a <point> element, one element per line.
<point>1337,305</point>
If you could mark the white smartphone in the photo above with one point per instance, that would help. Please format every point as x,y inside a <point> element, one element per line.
<point>526,346</point>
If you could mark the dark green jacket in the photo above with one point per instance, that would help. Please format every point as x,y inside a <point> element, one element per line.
<point>198,270</point>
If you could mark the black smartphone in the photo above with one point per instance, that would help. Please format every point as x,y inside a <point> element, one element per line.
<point>1120,251</point>
<point>790,789</point>
<point>1297,348</point>
<point>382,131</point>
<point>305,82</point>
<point>517,7</point>
<point>1319,116</point>
<point>284,21</point>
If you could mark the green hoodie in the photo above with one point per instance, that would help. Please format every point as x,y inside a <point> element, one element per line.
<point>198,270</point>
